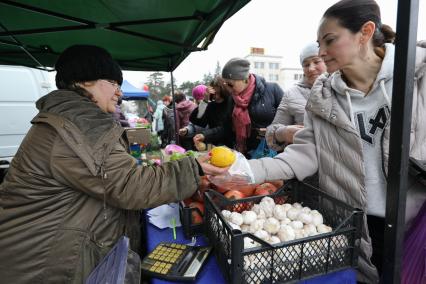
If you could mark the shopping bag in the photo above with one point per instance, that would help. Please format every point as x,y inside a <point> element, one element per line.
<point>262,150</point>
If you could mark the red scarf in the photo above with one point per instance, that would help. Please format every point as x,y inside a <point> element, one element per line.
<point>240,115</point>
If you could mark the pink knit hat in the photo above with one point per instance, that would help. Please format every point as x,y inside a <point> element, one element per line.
<point>198,92</point>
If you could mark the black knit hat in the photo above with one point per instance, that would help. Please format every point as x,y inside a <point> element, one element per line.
<point>236,69</point>
<point>83,63</point>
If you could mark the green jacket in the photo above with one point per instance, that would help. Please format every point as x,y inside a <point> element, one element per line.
<point>72,190</point>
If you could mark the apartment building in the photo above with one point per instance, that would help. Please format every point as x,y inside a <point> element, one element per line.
<point>271,68</point>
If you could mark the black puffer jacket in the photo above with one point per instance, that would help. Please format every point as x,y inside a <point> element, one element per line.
<point>262,108</point>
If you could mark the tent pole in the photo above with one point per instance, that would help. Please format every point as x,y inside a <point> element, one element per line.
<point>174,109</point>
<point>399,142</point>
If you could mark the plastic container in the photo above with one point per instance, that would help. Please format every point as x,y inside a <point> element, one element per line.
<point>112,268</point>
<point>190,229</point>
<point>289,261</point>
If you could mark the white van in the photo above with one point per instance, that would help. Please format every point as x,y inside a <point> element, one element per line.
<point>20,88</point>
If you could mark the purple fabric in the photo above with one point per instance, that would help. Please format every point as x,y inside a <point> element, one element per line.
<point>413,262</point>
<point>184,109</point>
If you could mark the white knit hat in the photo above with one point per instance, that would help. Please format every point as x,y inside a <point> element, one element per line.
<point>309,50</point>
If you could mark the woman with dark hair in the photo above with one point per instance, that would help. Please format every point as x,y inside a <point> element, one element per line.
<point>212,116</point>
<point>346,127</point>
<point>72,189</point>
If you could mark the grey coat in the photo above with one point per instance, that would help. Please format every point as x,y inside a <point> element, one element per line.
<point>331,145</point>
<point>290,112</point>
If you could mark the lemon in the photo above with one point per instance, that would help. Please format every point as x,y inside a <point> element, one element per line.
<point>222,156</point>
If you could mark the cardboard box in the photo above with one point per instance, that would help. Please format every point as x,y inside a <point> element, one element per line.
<point>138,135</point>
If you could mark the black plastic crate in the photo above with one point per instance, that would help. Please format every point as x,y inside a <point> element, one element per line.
<point>289,261</point>
<point>190,229</point>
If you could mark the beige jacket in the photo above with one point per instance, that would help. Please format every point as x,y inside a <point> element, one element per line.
<point>331,145</point>
<point>72,190</point>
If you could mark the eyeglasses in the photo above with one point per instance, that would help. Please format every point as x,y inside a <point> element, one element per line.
<point>116,85</point>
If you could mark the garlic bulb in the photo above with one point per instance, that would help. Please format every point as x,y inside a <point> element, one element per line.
<point>317,218</point>
<point>271,225</point>
<point>297,205</point>
<point>310,230</point>
<point>245,228</point>
<point>306,209</point>
<point>274,240</point>
<point>279,212</point>
<point>287,206</point>
<point>226,214</point>
<point>267,204</point>
<point>249,217</point>
<point>305,218</point>
<point>321,228</point>
<point>268,200</point>
<point>299,233</point>
<point>292,213</point>
<point>263,235</point>
<point>249,243</point>
<point>285,221</point>
<point>286,233</point>
<point>256,225</point>
<point>297,225</point>
<point>234,226</point>
<point>259,211</point>
<point>236,218</point>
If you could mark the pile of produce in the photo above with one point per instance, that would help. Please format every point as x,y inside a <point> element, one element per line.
<point>230,191</point>
<point>276,223</point>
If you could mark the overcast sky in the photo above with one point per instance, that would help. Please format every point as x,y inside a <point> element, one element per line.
<point>281,27</point>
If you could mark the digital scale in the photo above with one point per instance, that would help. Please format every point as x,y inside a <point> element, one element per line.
<point>175,262</point>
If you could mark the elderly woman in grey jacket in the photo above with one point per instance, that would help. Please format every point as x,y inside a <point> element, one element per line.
<point>346,126</point>
<point>290,113</point>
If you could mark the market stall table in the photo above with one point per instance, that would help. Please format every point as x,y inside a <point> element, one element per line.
<point>211,273</point>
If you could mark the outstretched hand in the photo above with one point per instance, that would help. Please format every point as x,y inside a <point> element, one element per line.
<point>290,131</point>
<point>208,168</point>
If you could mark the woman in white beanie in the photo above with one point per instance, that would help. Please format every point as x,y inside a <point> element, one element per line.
<point>290,113</point>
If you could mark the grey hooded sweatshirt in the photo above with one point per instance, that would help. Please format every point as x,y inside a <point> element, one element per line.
<point>336,142</point>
